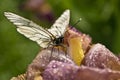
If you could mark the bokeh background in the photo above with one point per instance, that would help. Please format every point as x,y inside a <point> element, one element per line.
<point>100,19</point>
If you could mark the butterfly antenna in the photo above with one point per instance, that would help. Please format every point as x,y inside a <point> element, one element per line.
<point>77,21</point>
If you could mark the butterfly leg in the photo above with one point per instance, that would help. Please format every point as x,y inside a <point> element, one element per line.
<point>51,54</point>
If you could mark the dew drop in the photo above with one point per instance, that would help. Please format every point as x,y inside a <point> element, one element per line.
<point>54,66</point>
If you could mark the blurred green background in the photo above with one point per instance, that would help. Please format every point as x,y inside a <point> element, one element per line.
<point>100,19</point>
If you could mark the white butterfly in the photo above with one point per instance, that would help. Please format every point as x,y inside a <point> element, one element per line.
<point>44,37</point>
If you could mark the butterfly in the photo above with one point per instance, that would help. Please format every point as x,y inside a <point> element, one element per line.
<point>54,36</point>
<point>44,37</point>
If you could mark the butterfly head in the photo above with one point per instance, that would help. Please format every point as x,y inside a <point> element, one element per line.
<point>58,41</point>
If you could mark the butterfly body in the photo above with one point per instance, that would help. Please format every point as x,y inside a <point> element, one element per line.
<point>58,41</point>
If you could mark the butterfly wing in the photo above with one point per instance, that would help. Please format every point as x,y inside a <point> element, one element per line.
<point>29,29</point>
<point>60,25</point>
